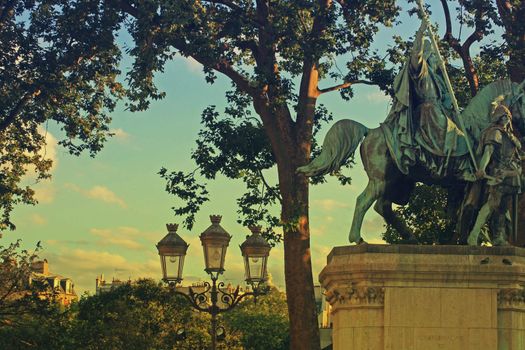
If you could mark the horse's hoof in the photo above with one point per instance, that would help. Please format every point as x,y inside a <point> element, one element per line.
<point>361,241</point>
<point>355,238</point>
<point>473,241</point>
<point>500,242</point>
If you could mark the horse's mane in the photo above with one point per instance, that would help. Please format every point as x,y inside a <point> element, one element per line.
<point>476,117</point>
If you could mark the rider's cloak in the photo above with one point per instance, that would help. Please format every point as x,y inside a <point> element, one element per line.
<point>419,129</point>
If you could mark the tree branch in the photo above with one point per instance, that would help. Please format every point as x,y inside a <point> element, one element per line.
<point>266,51</point>
<point>226,68</point>
<point>8,10</point>
<point>344,86</point>
<point>227,3</point>
<point>463,50</point>
<point>477,35</point>
<point>15,112</point>
<point>269,188</point>
<point>453,42</point>
<point>309,90</point>
<point>126,6</point>
<point>505,11</point>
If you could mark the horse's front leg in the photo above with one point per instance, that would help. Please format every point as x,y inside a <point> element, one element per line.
<point>372,192</point>
<point>384,208</point>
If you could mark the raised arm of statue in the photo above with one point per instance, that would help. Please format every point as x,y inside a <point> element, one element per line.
<point>416,56</point>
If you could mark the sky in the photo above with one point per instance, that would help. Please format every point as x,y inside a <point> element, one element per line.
<point>104,215</point>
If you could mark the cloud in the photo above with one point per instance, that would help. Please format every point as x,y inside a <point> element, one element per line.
<point>45,192</point>
<point>328,204</point>
<point>59,243</point>
<point>101,193</point>
<point>377,97</point>
<point>192,64</point>
<point>319,254</point>
<point>375,226</point>
<point>50,149</point>
<point>106,195</point>
<point>120,134</point>
<point>318,230</point>
<point>124,237</point>
<point>83,266</point>
<point>44,189</point>
<point>38,219</point>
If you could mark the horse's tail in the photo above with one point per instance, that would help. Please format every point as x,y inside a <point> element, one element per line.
<point>339,145</point>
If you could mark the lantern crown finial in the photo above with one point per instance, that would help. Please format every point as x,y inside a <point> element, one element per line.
<point>215,219</point>
<point>172,227</point>
<point>255,229</point>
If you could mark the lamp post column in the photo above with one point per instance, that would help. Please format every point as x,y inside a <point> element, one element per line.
<point>214,311</point>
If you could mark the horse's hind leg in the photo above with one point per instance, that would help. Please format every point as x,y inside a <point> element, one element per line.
<point>372,192</point>
<point>384,208</point>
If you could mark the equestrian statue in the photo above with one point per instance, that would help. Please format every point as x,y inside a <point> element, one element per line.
<point>426,138</point>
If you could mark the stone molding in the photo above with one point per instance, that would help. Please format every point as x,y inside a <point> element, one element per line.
<point>357,295</point>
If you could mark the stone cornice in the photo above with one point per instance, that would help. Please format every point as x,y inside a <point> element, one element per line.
<point>426,249</point>
<point>423,266</point>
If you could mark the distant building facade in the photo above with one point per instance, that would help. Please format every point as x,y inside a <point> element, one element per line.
<point>324,317</point>
<point>60,287</point>
<point>102,286</point>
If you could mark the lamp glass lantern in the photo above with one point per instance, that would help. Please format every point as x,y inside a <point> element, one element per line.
<point>255,251</point>
<point>215,241</point>
<point>172,250</point>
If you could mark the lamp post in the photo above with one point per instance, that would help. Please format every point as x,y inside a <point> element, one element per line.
<point>215,240</point>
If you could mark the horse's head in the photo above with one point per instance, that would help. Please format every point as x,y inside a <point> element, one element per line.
<point>516,103</point>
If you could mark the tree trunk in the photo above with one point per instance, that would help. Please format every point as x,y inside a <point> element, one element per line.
<point>304,328</point>
<point>512,17</point>
<point>291,143</point>
<point>516,63</point>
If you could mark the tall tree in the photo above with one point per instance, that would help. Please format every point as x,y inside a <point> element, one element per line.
<point>58,63</point>
<point>511,14</point>
<point>478,15</point>
<point>275,53</point>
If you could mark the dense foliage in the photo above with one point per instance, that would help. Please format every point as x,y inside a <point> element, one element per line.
<point>426,215</point>
<point>143,315</point>
<point>58,63</point>
<point>263,325</point>
<point>23,312</point>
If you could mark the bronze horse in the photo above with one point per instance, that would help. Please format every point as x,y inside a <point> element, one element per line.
<point>386,183</point>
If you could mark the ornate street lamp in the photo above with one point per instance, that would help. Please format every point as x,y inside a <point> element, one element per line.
<point>215,240</point>
<point>172,250</point>
<point>255,251</point>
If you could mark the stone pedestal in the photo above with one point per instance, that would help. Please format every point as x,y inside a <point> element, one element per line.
<point>426,297</point>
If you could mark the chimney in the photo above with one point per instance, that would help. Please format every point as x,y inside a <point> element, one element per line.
<point>41,267</point>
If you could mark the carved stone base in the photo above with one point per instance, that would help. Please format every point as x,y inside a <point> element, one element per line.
<point>426,297</point>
